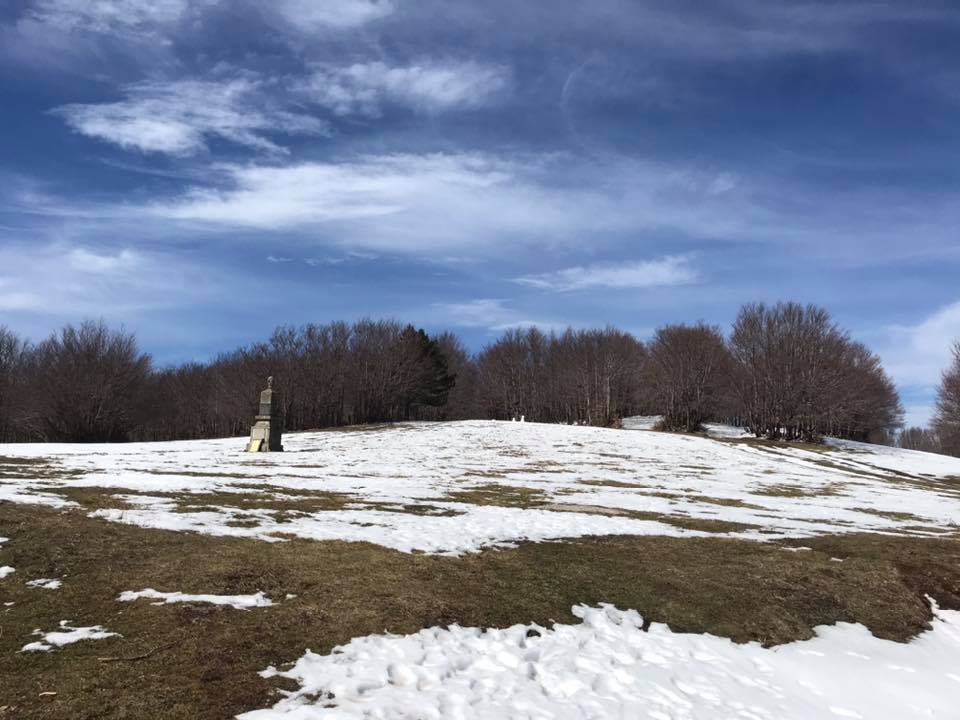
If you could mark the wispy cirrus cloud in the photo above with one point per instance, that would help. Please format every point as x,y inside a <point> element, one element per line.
<point>103,263</point>
<point>494,314</point>
<point>111,16</point>
<point>419,204</point>
<point>428,86</point>
<point>308,16</point>
<point>661,272</point>
<point>64,279</point>
<point>178,117</point>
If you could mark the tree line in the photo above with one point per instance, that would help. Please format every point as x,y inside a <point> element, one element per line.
<point>785,372</point>
<point>943,435</point>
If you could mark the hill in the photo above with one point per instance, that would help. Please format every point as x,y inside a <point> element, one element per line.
<point>480,525</point>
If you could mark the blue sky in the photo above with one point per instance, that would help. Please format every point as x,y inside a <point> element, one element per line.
<point>202,170</point>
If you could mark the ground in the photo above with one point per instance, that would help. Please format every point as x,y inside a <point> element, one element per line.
<point>358,532</point>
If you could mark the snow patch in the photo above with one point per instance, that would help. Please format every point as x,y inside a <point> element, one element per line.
<point>6,570</point>
<point>240,602</point>
<point>477,527</point>
<point>45,584</point>
<point>66,635</point>
<point>609,667</point>
<point>402,485</point>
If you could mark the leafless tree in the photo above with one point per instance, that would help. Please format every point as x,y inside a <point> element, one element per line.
<point>799,376</point>
<point>688,375</point>
<point>946,421</point>
<point>83,384</point>
<point>11,360</point>
<point>581,376</point>
<point>789,373</point>
<point>919,438</point>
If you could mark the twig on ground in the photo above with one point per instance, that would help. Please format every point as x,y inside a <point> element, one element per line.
<point>143,656</point>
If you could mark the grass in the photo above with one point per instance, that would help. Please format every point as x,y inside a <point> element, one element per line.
<point>796,491</point>
<point>19,468</point>
<point>891,515</point>
<point>500,495</point>
<point>201,662</point>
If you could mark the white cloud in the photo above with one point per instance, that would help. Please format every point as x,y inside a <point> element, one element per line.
<point>311,193</point>
<point>491,313</point>
<point>429,86</point>
<point>68,281</point>
<point>423,204</point>
<point>484,312</point>
<point>916,355</point>
<point>178,117</point>
<point>12,298</point>
<point>672,270</point>
<point>109,16</point>
<point>88,261</point>
<point>313,15</point>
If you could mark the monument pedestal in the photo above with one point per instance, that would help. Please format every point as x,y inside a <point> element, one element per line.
<point>266,434</point>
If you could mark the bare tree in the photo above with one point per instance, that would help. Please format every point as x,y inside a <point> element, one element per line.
<point>946,422</point>
<point>919,438</point>
<point>581,376</point>
<point>799,376</point>
<point>688,374</point>
<point>84,384</point>
<point>11,359</point>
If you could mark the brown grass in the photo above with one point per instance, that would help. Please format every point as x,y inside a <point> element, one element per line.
<point>205,659</point>
<point>795,491</point>
<point>501,495</point>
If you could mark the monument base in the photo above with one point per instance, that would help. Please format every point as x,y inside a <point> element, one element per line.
<point>264,436</point>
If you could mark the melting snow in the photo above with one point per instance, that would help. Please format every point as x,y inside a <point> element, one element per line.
<point>608,667</point>
<point>590,481</point>
<point>6,570</point>
<point>240,602</point>
<point>45,584</point>
<point>66,635</point>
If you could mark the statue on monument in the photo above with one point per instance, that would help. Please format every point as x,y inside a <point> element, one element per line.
<point>265,435</point>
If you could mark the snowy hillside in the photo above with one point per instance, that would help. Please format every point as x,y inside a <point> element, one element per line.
<point>456,490</point>
<point>458,487</point>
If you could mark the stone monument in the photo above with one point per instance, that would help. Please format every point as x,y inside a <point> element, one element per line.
<point>265,435</point>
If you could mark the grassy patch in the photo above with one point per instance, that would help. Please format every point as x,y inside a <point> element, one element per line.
<point>891,515</point>
<point>685,522</point>
<point>21,468</point>
<point>201,662</point>
<point>92,498</point>
<point>500,495</point>
<point>612,483</point>
<point>29,461</point>
<point>707,524</point>
<point>796,491</point>
<point>724,502</point>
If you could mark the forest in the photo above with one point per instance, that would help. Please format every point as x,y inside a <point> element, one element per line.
<point>784,372</point>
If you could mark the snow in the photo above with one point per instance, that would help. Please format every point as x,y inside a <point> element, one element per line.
<point>66,635</point>
<point>6,570</point>
<point>240,602</point>
<point>476,528</point>
<point>608,667</point>
<point>588,481</point>
<point>45,584</point>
